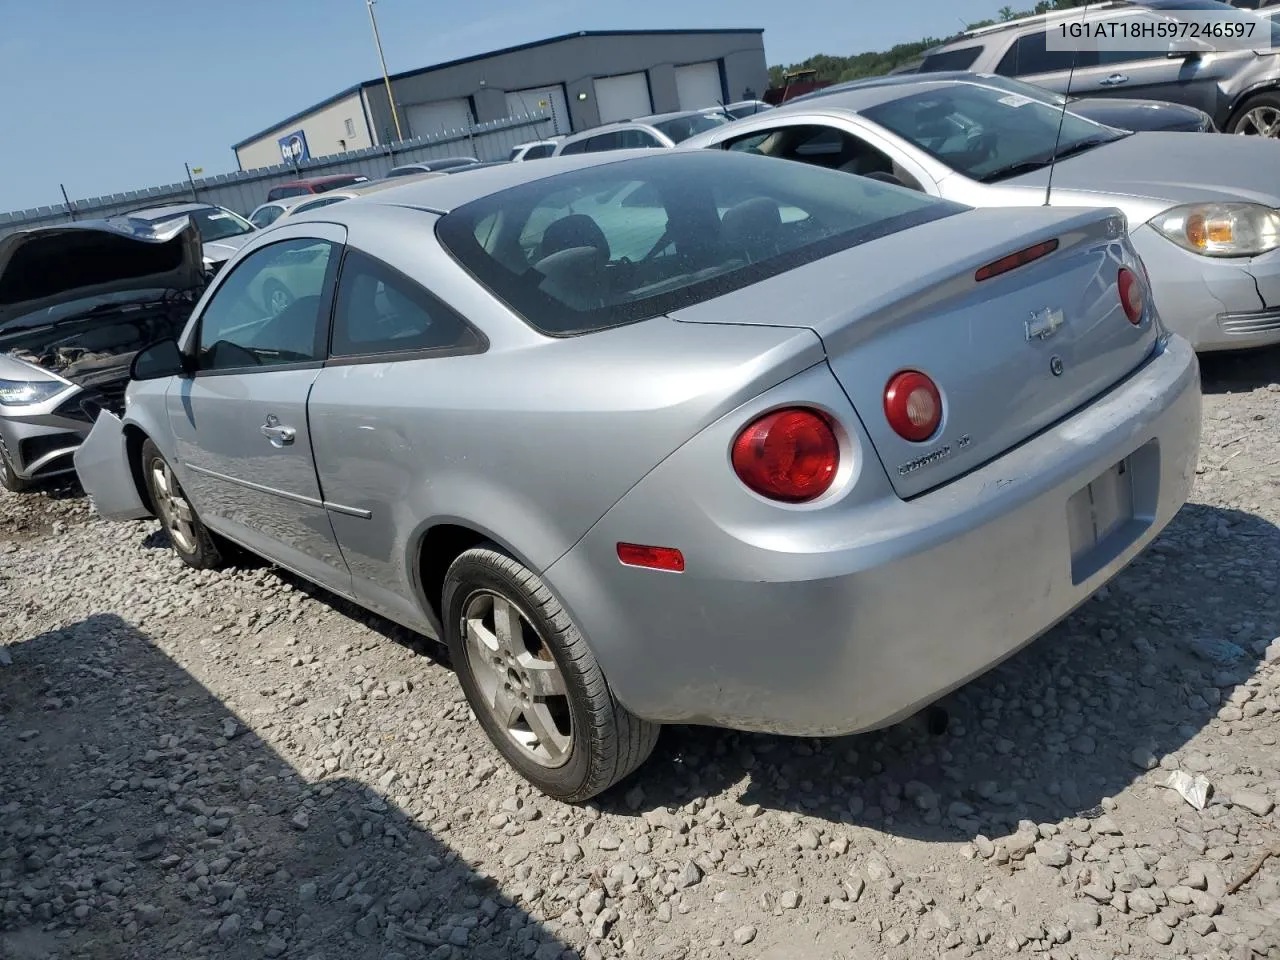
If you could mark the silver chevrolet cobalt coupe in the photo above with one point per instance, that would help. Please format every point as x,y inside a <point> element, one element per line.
<point>672,437</point>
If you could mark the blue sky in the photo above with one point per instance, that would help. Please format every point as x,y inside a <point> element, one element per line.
<point>112,95</point>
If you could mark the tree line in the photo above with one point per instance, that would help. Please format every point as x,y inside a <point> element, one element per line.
<point>874,63</point>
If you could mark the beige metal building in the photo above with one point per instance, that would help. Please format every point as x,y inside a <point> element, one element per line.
<point>581,79</point>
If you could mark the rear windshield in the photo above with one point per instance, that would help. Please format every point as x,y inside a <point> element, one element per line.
<point>279,193</point>
<point>633,239</point>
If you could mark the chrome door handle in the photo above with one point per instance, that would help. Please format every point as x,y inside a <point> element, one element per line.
<point>277,434</point>
<point>1114,79</point>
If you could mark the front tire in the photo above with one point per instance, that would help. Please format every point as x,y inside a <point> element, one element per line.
<point>10,479</point>
<point>190,538</point>
<point>533,682</point>
<point>1259,117</point>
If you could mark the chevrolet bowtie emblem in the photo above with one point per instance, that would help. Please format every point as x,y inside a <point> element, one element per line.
<point>1044,324</point>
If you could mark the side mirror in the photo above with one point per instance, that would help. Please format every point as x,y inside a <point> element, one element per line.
<point>1189,49</point>
<point>161,359</point>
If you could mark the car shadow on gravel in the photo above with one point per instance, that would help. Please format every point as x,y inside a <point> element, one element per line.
<point>140,818</point>
<point>1239,370</point>
<point>1120,686</point>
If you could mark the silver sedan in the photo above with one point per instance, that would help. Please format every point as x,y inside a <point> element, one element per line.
<point>673,437</point>
<point>1202,210</point>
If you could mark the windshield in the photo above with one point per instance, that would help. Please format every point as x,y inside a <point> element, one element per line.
<point>72,308</point>
<point>987,133</point>
<point>217,224</point>
<point>626,241</point>
<point>680,129</point>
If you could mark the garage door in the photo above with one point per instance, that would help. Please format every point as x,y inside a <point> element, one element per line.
<point>623,97</point>
<point>698,85</point>
<point>426,119</point>
<point>539,99</point>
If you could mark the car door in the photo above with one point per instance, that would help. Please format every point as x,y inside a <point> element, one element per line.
<point>384,383</point>
<point>239,422</point>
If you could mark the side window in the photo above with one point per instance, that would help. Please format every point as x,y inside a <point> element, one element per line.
<point>961,59</point>
<point>578,146</point>
<point>1031,55</point>
<point>380,310</point>
<point>266,216</point>
<point>606,141</point>
<point>827,147</point>
<point>267,311</point>
<point>541,150</point>
<point>1107,56</point>
<point>636,139</point>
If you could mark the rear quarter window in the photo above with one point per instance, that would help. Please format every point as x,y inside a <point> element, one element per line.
<point>621,242</point>
<point>959,59</point>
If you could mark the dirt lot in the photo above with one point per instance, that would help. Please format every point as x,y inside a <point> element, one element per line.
<point>234,766</point>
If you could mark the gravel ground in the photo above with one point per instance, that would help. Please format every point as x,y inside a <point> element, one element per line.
<point>233,765</point>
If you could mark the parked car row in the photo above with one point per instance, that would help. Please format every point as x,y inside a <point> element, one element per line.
<point>727,429</point>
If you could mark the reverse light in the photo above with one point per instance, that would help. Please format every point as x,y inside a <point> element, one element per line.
<point>21,393</point>
<point>1221,229</point>
<point>1132,296</point>
<point>655,558</point>
<point>1015,260</point>
<point>789,455</point>
<point>913,405</point>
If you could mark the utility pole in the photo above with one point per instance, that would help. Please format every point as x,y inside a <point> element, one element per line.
<point>386,78</point>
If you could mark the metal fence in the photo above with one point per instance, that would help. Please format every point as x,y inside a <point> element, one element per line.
<point>244,190</point>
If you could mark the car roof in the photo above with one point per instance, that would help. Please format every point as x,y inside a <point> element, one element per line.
<point>860,95</point>
<point>308,181</point>
<point>169,210</point>
<point>441,193</point>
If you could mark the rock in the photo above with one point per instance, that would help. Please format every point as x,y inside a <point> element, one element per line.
<point>1158,932</point>
<point>789,899</point>
<point>1053,853</point>
<point>1083,917</point>
<point>1255,803</point>
<point>300,820</point>
<point>229,927</point>
<point>895,936</point>
<point>744,935</point>
<point>808,839</point>
<point>275,947</point>
<point>690,875</point>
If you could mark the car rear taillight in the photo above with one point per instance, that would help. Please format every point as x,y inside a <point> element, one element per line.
<point>913,405</point>
<point>789,455</point>
<point>1015,260</point>
<point>1132,297</point>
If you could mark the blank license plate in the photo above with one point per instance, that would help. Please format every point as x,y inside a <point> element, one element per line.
<point>1097,511</point>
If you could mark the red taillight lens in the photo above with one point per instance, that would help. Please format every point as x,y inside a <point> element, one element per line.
<point>1132,297</point>
<point>788,455</point>
<point>913,405</point>
<point>1015,260</point>
<point>655,558</point>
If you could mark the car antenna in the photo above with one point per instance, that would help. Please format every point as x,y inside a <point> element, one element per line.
<point>1066,98</point>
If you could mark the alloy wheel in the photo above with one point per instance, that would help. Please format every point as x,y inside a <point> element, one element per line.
<point>175,513</point>
<point>1260,122</point>
<point>520,683</point>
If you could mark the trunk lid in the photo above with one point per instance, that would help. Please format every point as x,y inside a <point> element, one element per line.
<point>911,301</point>
<point>47,267</point>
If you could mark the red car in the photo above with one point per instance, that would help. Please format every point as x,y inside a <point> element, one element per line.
<point>297,188</point>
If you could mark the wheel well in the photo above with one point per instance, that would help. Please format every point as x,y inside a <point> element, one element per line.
<point>440,547</point>
<point>134,438</point>
<point>1238,107</point>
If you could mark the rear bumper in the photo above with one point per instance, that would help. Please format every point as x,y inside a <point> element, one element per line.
<point>1215,304</point>
<point>887,607</point>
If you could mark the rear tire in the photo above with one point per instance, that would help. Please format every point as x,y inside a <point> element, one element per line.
<point>1259,116</point>
<point>533,682</point>
<point>9,479</point>
<point>192,541</point>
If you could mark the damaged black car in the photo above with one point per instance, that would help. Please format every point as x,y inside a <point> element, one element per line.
<point>77,302</point>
